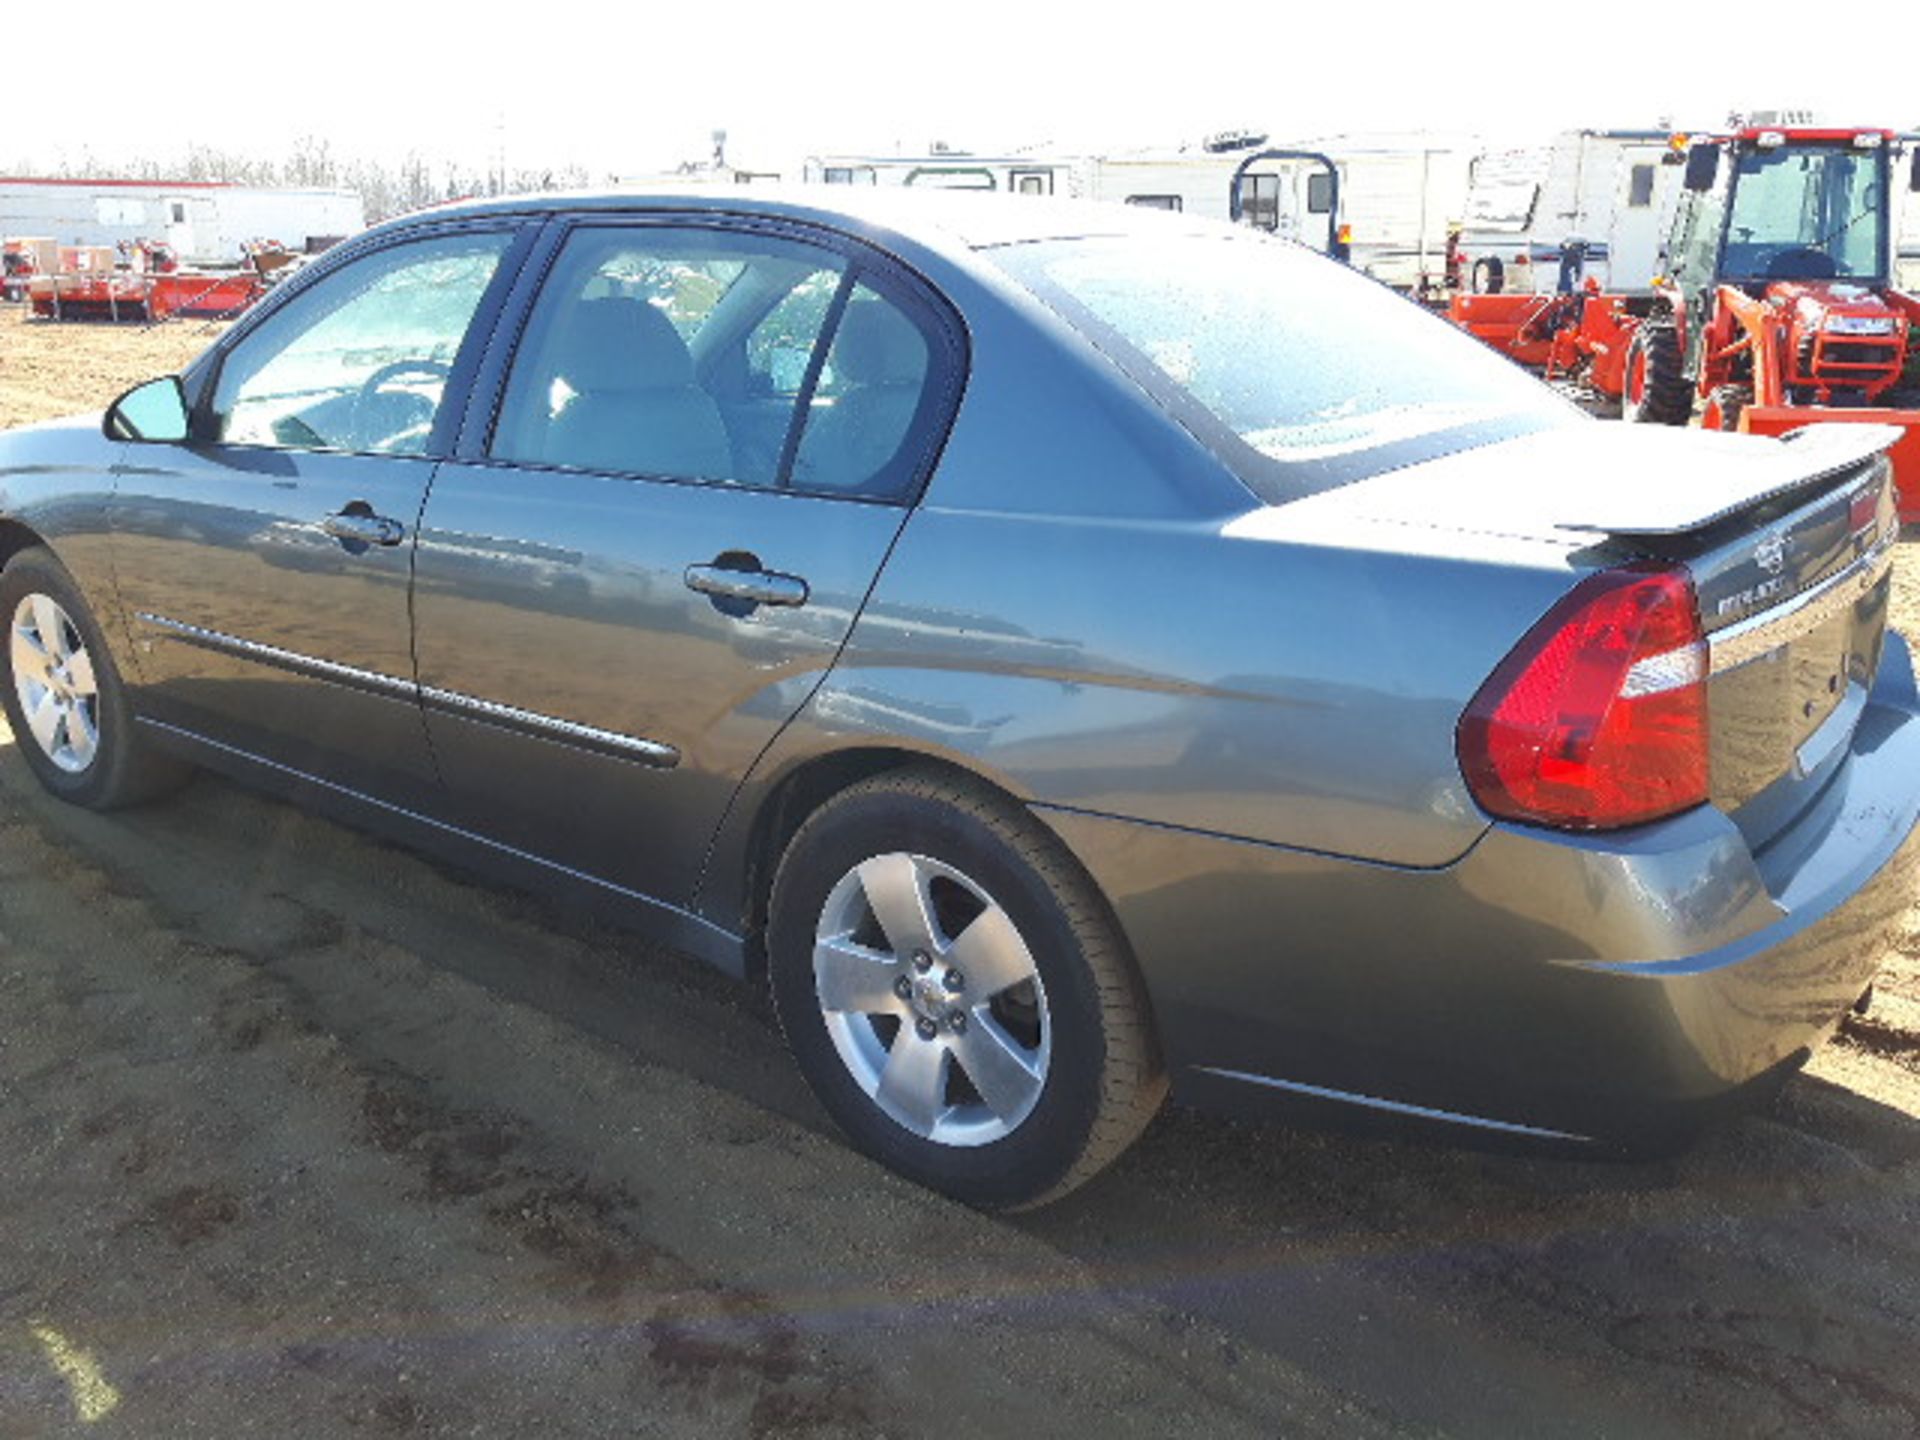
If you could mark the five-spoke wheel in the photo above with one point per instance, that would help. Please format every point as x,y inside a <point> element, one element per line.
<point>955,991</point>
<point>932,999</point>
<point>53,682</point>
<point>62,694</point>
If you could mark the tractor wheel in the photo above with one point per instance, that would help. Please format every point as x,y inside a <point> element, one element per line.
<point>1489,276</point>
<point>1724,406</point>
<point>1656,391</point>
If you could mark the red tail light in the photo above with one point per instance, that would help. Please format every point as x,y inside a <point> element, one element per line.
<point>1598,718</point>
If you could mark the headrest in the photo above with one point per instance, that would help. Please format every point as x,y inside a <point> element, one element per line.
<point>877,345</point>
<point>619,345</point>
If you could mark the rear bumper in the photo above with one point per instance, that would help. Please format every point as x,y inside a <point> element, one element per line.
<point>1905,452</point>
<point>1609,988</point>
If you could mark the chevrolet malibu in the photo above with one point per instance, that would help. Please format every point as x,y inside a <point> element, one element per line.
<point>1067,654</point>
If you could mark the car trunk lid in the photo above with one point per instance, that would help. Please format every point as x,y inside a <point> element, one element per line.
<point>1788,544</point>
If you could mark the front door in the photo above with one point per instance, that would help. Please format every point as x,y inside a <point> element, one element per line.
<point>264,566</point>
<point>704,448</point>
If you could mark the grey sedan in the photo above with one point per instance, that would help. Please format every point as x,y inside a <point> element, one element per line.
<point>1063,652</point>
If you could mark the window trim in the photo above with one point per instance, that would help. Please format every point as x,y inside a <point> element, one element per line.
<point>202,378</point>
<point>949,350</point>
<point>993,181</point>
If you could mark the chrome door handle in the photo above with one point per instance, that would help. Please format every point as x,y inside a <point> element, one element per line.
<point>754,587</point>
<point>364,529</point>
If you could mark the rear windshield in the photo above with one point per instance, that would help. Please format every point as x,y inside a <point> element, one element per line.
<point>1300,374</point>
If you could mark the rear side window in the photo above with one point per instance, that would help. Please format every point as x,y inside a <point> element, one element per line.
<point>1299,373</point>
<point>865,401</point>
<point>724,357</point>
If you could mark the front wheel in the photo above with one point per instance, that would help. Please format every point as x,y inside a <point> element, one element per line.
<point>63,697</point>
<point>1725,406</point>
<point>1656,391</point>
<point>956,994</point>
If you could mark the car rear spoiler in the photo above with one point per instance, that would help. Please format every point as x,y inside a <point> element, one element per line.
<point>1656,502</point>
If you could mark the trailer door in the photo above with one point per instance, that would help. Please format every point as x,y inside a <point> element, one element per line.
<point>1634,228</point>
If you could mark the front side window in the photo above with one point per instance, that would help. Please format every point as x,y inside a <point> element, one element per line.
<point>1696,241</point>
<point>359,360</point>
<point>1299,373</point>
<point>716,356</point>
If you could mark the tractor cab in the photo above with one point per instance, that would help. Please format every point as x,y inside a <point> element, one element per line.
<point>1800,220</point>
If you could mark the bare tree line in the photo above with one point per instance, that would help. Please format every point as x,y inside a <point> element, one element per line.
<point>386,189</point>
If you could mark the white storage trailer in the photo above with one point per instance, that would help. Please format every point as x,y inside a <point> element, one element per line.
<point>205,222</point>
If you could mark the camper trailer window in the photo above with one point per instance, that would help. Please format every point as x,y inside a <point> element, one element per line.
<point>1319,193</point>
<point>1260,201</point>
<point>849,175</point>
<point>1300,374</point>
<point>1155,202</point>
<point>1640,186</point>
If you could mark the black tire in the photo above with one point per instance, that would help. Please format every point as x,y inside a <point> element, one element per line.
<point>1102,1082</point>
<point>1666,397</point>
<point>1729,401</point>
<point>115,768</point>
<point>1489,275</point>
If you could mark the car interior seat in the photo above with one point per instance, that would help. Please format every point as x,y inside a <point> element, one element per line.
<point>635,405</point>
<point>879,362</point>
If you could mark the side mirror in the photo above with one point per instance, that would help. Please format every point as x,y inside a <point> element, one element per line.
<point>155,411</point>
<point>1703,166</point>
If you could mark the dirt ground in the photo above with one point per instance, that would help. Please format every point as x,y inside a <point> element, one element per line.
<point>48,370</point>
<point>301,1135</point>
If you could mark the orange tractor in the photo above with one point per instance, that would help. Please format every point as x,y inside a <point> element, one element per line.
<point>1775,308</point>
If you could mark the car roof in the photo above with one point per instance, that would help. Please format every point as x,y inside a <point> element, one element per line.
<point>971,219</point>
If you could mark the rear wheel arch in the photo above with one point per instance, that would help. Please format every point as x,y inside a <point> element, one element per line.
<point>797,795</point>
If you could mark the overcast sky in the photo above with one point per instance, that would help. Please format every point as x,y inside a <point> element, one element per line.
<point>630,88</point>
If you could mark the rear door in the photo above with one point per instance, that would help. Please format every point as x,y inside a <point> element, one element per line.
<point>650,551</point>
<point>264,565</point>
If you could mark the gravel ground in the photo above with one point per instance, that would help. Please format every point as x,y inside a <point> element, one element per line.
<point>303,1135</point>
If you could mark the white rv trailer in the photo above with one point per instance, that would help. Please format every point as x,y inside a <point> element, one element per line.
<point>1600,200</point>
<point>943,170</point>
<point>204,222</point>
<point>1395,194</point>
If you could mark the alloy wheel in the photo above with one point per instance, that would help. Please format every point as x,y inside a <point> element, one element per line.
<point>932,999</point>
<point>54,682</point>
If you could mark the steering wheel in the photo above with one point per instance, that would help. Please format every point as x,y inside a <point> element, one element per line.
<point>397,421</point>
<point>1801,262</point>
